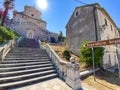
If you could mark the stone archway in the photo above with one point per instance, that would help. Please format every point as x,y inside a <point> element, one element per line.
<point>30,34</point>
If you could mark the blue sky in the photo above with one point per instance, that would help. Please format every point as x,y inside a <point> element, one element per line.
<point>59,12</point>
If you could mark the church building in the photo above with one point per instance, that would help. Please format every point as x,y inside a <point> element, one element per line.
<point>30,25</point>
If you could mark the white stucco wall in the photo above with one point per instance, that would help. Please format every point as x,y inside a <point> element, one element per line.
<point>110,57</point>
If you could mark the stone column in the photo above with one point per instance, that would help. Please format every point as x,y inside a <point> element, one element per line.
<point>73,75</point>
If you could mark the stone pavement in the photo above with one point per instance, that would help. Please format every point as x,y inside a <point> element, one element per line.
<point>87,87</point>
<point>54,84</point>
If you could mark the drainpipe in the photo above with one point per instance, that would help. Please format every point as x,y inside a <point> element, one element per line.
<point>95,24</point>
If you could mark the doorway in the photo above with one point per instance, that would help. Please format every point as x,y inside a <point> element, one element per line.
<point>30,34</point>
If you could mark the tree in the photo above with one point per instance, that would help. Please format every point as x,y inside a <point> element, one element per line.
<point>86,54</point>
<point>1,13</point>
<point>60,37</point>
<point>8,4</point>
<point>52,39</point>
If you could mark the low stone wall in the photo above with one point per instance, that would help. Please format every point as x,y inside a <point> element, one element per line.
<point>69,71</point>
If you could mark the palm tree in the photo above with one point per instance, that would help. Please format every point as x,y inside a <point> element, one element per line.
<point>8,4</point>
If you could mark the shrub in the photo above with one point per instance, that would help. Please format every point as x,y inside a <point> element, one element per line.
<point>66,54</point>
<point>52,39</point>
<point>6,34</point>
<point>86,55</point>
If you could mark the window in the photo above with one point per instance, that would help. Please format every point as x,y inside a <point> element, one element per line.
<point>14,15</point>
<point>111,27</point>
<point>32,14</point>
<point>106,22</point>
<point>115,31</point>
<point>77,13</point>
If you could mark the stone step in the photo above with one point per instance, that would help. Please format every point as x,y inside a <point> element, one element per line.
<point>24,67</point>
<point>26,58</point>
<point>11,85</point>
<point>27,52</point>
<point>23,64</point>
<point>24,48</point>
<point>42,53</point>
<point>25,76</point>
<point>29,43</point>
<point>4,74</point>
<point>28,49</point>
<point>17,60</point>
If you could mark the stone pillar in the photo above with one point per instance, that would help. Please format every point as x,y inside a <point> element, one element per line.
<point>73,75</point>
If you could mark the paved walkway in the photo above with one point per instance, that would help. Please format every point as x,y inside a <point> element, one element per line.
<point>87,87</point>
<point>54,84</point>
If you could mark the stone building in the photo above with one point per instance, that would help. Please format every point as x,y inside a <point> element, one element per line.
<point>92,22</point>
<point>29,24</point>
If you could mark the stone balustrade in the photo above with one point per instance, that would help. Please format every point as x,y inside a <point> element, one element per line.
<point>6,47</point>
<point>68,71</point>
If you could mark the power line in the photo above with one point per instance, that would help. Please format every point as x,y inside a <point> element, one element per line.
<point>81,2</point>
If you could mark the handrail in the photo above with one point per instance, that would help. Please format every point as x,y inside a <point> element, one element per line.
<point>39,42</point>
<point>19,40</point>
<point>68,71</point>
<point>6,48</point>
<point>60,65</point>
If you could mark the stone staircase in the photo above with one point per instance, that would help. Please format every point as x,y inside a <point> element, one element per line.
<point>25,66</point>
<point>29,43</point>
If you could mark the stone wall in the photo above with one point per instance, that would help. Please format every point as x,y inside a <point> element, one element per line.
<point>81,27</point>
<point>29,22</point>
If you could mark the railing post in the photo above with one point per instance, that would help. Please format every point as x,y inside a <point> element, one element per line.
<point>1,52</point>
<point>73,75</point>
<point>68,71</point>
<point>39,42</point>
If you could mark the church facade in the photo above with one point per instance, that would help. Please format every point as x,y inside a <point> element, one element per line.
<point>29,24</point>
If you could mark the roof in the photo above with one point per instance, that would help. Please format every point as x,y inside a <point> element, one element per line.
<point>22,13</point>
<point>98,7</point>
<point>105,12</point>
<point>94,4</point>
<point>32,7</point>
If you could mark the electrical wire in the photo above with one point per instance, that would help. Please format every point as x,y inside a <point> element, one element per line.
<point>81,2</point>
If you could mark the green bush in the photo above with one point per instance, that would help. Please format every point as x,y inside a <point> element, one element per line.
<point>66,54</point>
<point>86,55</point>
<point>52,39</point>
<point>6,34</point>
